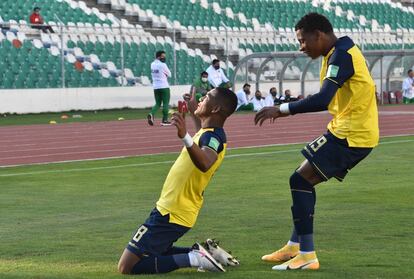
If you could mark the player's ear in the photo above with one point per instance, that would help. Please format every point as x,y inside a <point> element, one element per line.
<point>216,109</point>
<point>319,35</point>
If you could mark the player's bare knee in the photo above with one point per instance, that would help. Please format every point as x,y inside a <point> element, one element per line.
<point>123,268</point>
<point>307,172</point>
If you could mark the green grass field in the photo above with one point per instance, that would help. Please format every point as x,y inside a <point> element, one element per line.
<point>86,116</point>
<point>73,116</point>
<point>73,220</point>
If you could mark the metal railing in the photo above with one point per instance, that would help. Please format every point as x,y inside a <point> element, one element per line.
<point>383,65</point>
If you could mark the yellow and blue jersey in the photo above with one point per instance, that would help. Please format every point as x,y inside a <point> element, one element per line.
<point>182,193</point>
<point>354,107</point>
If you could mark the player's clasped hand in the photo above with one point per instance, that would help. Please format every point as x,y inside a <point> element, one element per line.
<point>178,120</point>
<point>267,113</point>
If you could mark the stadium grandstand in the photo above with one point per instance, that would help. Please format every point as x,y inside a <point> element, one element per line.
<point>111,43</point>
<point>93,127</point>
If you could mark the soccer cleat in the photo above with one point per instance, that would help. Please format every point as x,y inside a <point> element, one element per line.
<point>165,123</point>
<point>286,253</point>
<point>219,254</point>
<point>205,260</point>
<point>150,119</point>
<point>301,261</point>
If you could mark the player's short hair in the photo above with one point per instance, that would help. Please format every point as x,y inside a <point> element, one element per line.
<point>409,71</point>
<point>36,9</point>
<point>203,73</point>
<point>228,99</point>
<point>159,53</point>
<point>314,22</point>
<point>246,84</point>
<point>215,61</point>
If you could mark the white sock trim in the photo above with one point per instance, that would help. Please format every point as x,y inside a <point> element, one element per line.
<point>193,259</point>
<point>291,243</point>
<point>306,252</point>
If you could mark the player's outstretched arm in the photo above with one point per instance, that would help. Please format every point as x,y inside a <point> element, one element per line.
<point>265,113</point>
<point>317,102</point>
<point>203,158</point>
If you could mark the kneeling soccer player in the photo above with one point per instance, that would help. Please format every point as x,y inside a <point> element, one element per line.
<point>348,92</point>
<point>151,248</point>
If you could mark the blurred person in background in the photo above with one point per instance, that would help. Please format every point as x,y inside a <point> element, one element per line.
<point>160,74</point>
<point>271,99</point>
<point>216,75</point>
<point>243,102</point>
<point>258,101</point>
<point>408,88</point>
<point>37,22</point>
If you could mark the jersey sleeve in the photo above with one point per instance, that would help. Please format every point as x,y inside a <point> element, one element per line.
<point>212,141</point>
<point>340,67</point>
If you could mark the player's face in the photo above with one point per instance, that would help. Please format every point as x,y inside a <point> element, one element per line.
<point>206,105</point>
<point>309,43</point>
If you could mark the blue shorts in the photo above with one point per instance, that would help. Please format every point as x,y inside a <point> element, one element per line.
<point>156,235</point>
<point>332,157</point>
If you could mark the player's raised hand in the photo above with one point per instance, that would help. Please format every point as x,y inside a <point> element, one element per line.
<point>267,113</point>
<point>192,103</point>
<point>178,120</point>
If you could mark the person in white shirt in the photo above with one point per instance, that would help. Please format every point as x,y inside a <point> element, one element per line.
<point>408,88</point>
<point>271,98</point>
<point>242,98</point>
<point>160,74</point>
<point>216,75</point>
<point>258,101</point>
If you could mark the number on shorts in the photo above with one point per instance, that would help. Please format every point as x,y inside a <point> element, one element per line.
<point>317,143</point>
<point>140,233</point>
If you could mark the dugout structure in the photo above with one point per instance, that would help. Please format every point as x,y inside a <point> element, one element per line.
<point>387,67</point>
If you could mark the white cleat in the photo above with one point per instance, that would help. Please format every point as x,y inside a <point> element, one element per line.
<point>205,260</point>
<point>219,254</point>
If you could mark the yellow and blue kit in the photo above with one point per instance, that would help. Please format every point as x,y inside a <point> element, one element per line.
<point>181,198</point>
<point>348,93</point>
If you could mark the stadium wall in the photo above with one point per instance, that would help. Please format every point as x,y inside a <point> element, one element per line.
<point>22,101</point>
<point>58,99</point>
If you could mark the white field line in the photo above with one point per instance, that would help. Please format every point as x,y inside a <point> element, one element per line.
<point>168,161</point>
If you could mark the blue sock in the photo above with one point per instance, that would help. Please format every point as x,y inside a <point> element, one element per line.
<point>155,264</point>
<point>294,237</point>
<point>304,199</point>
<point>306,243</point>
<point>182,260</point>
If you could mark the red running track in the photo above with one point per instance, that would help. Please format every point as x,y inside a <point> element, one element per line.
<point>20,145</point>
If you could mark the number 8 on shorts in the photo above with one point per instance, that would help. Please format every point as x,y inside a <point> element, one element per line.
<point>140,233</point>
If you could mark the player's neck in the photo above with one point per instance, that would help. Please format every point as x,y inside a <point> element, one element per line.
<point>211,122</point>
<point>331,41</point>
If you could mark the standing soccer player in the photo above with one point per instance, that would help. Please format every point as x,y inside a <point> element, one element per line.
<point>151,248</point>
<point>160,74</point>
<point>348,93</point>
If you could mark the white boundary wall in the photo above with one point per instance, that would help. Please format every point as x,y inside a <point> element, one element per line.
<point>58,99</point>
<point>22,101</point>
<point>55,100</point>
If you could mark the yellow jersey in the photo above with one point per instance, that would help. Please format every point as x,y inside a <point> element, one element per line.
<point>182,193</point>
<point>354,107</point>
